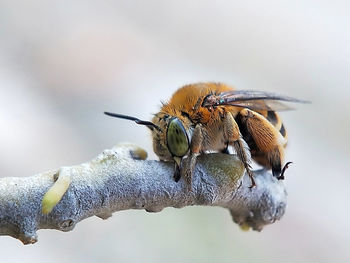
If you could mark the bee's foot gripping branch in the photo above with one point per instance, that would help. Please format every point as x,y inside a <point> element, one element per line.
<point>119,179</point>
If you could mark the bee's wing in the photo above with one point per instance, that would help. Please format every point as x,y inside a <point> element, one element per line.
<point>256,100</point>
<point>269,105</point>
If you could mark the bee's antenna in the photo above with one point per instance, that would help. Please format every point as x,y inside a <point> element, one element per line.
<point>149,124</point>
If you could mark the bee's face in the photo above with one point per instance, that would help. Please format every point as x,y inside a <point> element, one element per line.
<point>172,139</point>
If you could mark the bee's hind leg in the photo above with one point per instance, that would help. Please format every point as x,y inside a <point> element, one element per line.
<point>266,142</point>
<point>285,167</point>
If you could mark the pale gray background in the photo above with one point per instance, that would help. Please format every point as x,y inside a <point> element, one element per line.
<point>62,63</point>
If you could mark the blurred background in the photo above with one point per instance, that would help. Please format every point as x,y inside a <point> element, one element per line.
<point>62,63</point>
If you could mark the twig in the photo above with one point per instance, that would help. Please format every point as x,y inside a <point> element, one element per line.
<point>116,180</point>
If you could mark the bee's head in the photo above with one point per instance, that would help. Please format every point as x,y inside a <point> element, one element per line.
<point>170,138</point>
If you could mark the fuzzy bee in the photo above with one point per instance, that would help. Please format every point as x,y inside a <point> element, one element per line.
<point>207,117</point>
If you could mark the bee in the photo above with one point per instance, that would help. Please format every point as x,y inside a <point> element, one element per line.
<point>207,117</point>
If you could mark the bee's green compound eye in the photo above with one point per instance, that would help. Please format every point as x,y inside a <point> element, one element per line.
<point>177,139</point>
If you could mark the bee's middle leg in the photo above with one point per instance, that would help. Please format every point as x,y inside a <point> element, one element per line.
<point>234,138</point>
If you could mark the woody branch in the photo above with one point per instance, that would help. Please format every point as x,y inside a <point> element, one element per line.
<point>117,180</point>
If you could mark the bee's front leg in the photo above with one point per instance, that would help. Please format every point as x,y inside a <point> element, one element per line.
<point>177,174</point>
<point>188,163</point>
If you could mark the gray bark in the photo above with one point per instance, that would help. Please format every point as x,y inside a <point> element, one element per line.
<point>116,180</point>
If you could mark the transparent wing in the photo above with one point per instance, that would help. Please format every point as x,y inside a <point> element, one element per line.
<point>270,105</point>
<point>255,100</point>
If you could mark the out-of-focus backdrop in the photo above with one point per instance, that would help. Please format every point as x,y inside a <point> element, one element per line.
<point>62,63</point>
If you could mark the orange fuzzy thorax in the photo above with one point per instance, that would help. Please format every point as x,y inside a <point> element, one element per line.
<point>189,98</point>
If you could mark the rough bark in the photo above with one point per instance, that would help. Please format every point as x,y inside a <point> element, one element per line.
<point>116,180</point>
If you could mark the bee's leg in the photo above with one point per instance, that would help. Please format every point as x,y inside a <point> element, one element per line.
<point>285,167</point>
<point>188,163</point>
<point>234,138</point>
<point>264,139</point>
<point>226,151</point>
<point>177,174</point>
